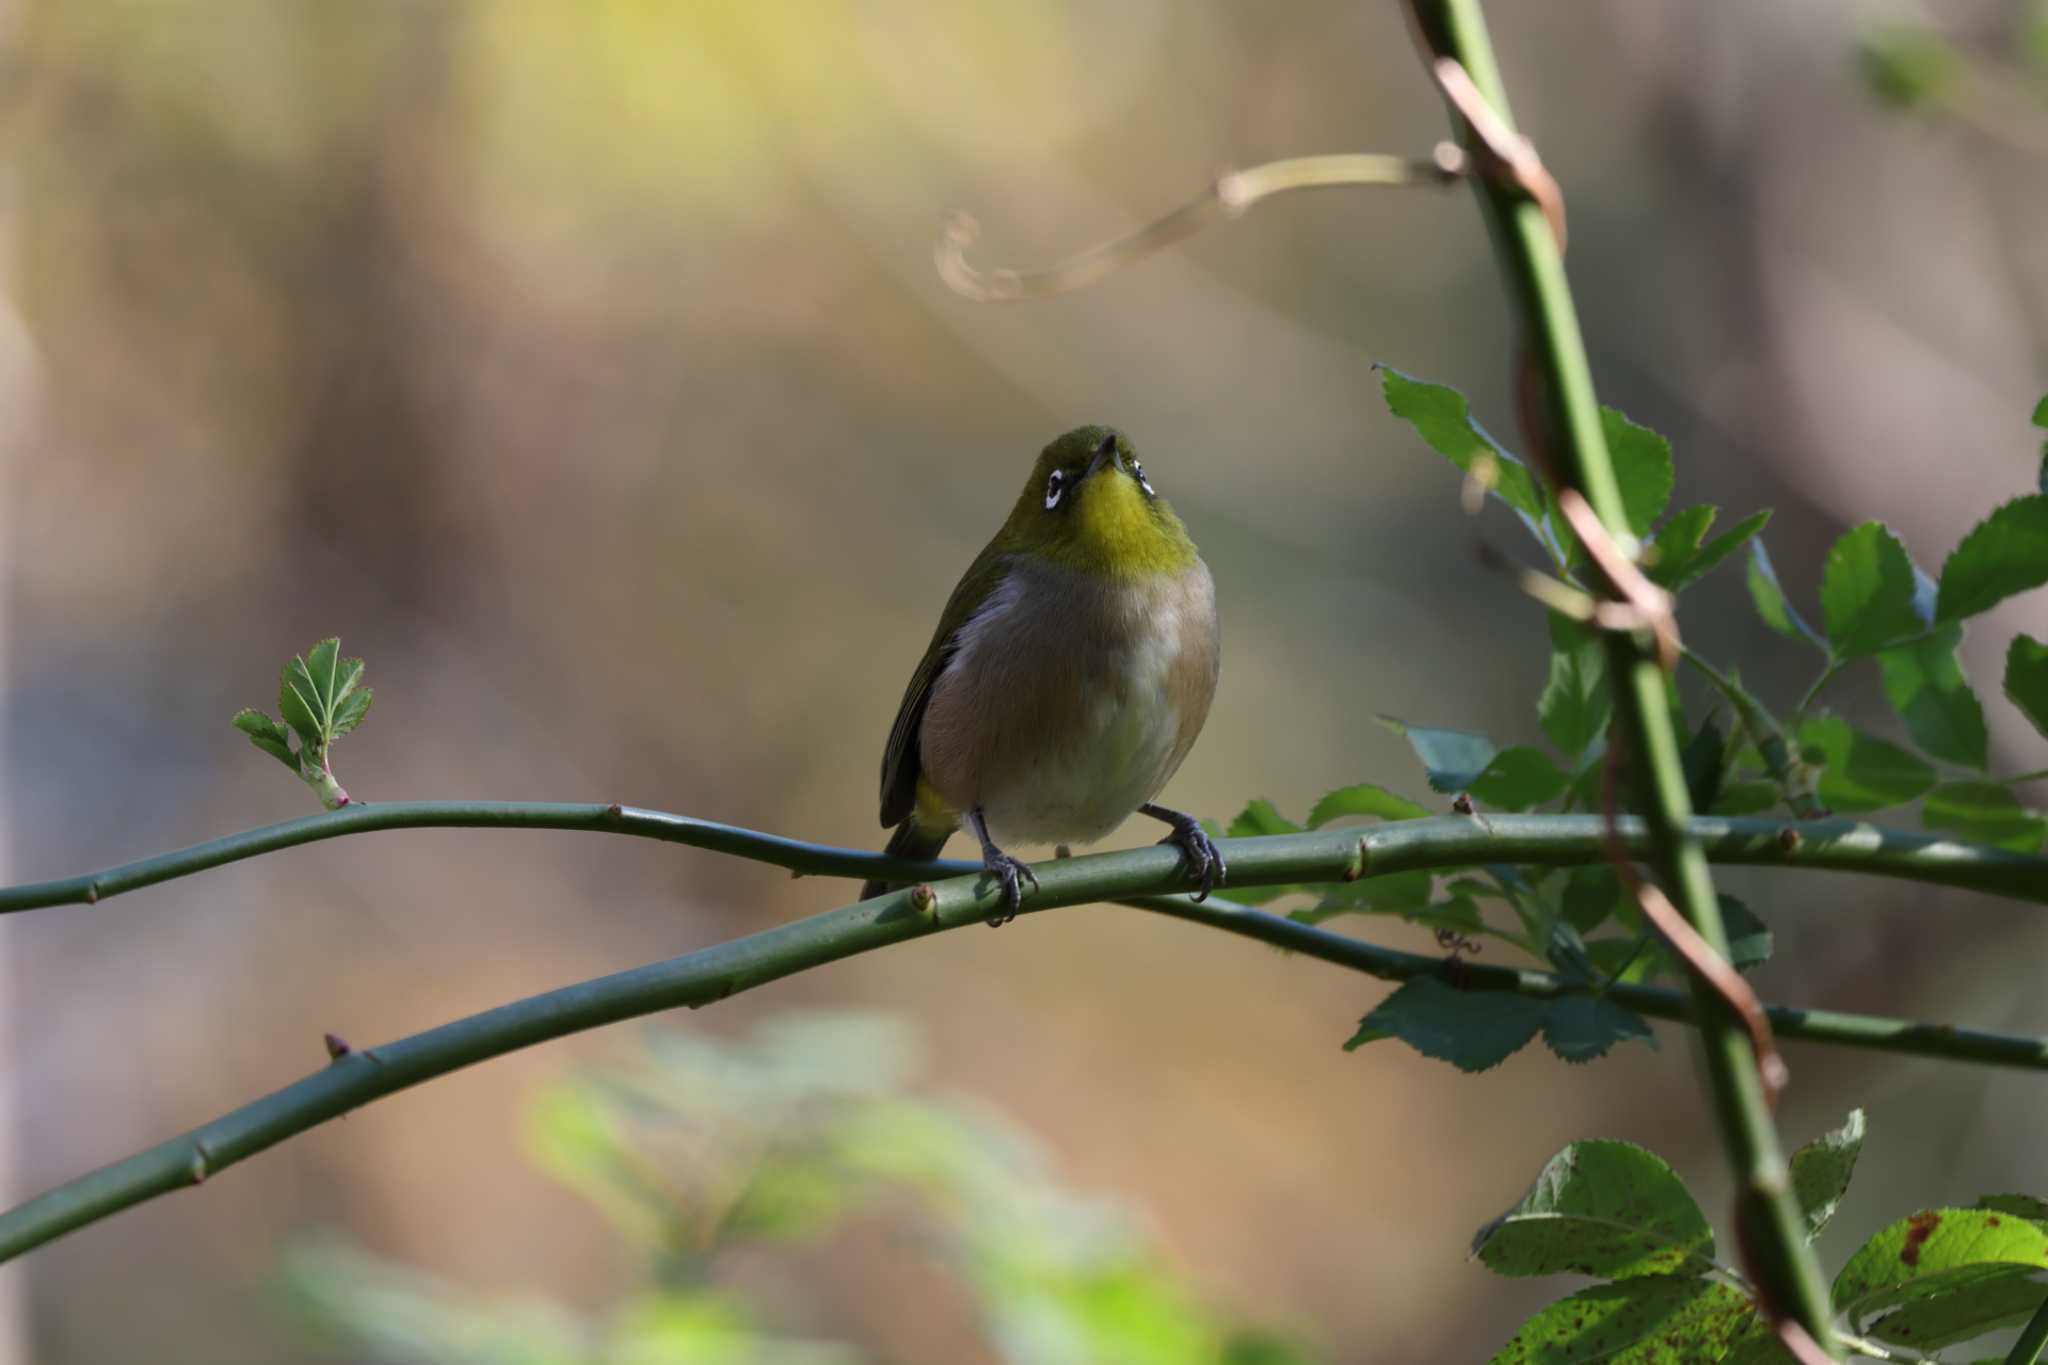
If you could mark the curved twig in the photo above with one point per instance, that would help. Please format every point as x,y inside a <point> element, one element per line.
<point>356,1077</point>
<point>1232,194</point>
<point>1441,841</point>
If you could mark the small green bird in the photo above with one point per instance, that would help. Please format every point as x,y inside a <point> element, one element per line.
<point>1071,671</point>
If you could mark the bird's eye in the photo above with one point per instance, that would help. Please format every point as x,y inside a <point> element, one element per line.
<point>1138,473</point>
<point>1055,486</point>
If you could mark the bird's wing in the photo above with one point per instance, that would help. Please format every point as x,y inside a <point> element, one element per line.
<point>901,765</point>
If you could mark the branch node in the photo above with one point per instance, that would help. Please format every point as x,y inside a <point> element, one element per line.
<point>196,1168</point>
<point>1355,869</point>
<point>614,811</point>
<point>92,893</point>
<point>1790,839</point>
<point>923,899</point>
<point>1504,155</point>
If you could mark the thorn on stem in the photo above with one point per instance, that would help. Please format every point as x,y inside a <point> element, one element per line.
<point>92,893</point>
<point>614,811</point>
<point>196,1168</point>
<point>1355,868</point>
<point>923,899</point>
<point>337,1046</point>
<point>1789,839</point>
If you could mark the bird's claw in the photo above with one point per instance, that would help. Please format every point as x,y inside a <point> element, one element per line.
<point>1204,859</point>
<point>1010,873</point>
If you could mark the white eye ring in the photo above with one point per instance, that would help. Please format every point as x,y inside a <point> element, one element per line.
<point>1138,472</point>
<point>1055,486</point>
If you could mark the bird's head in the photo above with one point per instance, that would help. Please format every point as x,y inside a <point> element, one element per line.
<point>1090,506</point>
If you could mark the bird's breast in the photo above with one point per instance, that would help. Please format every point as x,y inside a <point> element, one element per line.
<point>1070,700</point>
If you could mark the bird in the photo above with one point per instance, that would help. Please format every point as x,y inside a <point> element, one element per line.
<point>1072,668</point>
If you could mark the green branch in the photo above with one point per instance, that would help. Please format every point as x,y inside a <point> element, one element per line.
<point>1439,842</point>
<point>1565,410</point>
<point>712,974</point>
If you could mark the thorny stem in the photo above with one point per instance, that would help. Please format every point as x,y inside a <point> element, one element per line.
<point>355,1078</point>
<point>1530,256</point>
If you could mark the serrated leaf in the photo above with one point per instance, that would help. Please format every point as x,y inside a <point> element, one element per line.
<point>1364,798</point>
<point>296,702</point>
<point>1451,758</point>
<point>353,708</point>
<point>1660,1321</point>
<point>1604,1208</point>
<point>1937,1252</point>
<point>267,735</point>
<point>1984,813</point>
<point>1517,778</point>
<point>1642,466</point>
<point>1861,772</point>
<point>1821,1171</point>
<point>1630,960</point>
<point>1758,1345</point>
<point>1579,1028</point>
<point>1672,549</point>
<point>1575,704</point>
<point>1925,684</point>
<point>2026,680</point>
<point>1866,592</point>
<point>1442,418</point>
<point>1722,546</point>
<point>1749,938</point>
<point>2007,553</point>
<point>1472,1030</point>
<point>1772,606</point>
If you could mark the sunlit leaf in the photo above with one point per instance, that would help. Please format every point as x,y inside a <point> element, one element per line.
<point>2006,553</point>
<point>1364,798</point>
<point>1642,466</point>
<point>1664,1320</point>
<point>1821,1171</point>
<point>1575,704</point>
<point>268,735</point>
<point>1938,1252</point>
<point>1441,417</point>
<point>1604,1208</point>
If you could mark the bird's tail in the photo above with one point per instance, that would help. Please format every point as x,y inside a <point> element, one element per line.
<point>909,841</point>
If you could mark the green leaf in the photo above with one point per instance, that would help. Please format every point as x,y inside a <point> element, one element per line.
<point>267,735</point>
<point>1984,813</point>
<point>1363,799</point>
<point>1749,938</point>
<point>1582,1027</point>
<point>1821,1171</point>
<point>1862,773</point>
<point>1441,417</point>
<point>1866,592</point>
<point>1575,704</point>
<point>1642,465</point>
<point>2026,680</point>
<point>1472,1030</point>
<point>1925,685</point>
<point>1672,549</point>
<point>2041,412</point>
<point>1975,1301</point>
<point>318,696</point>
<point>1591,894</point>
<point>1668,1320</point>
<point>1938,1252</point>
<point>2007,553</point>
<point>1772,605</point>
<point>1720,547</point>
<point>2019,1205</point>
<point>1399,893</point>
<point>1633,959</point>
<point>1518,778</point>
<point>1604,1208</point>
<point>1452,758</point>
<point>1907,66</point>
<point>1260,817</point>
<point>1705,762</point>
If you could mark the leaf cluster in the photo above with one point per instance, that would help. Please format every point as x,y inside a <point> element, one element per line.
<point>1932,1280</point>
<point>321,697</point>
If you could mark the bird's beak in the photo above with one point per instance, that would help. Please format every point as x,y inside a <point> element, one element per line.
<point>1110,453</point>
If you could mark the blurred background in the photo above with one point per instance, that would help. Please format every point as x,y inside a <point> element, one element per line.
<point>584,368</point>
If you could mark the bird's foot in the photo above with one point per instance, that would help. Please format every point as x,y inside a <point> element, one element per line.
<point>1204,859</point>
<point>1011,874</point>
